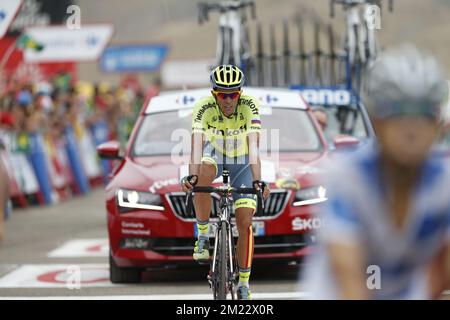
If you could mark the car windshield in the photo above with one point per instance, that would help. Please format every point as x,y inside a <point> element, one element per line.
<point>284,130</point>
<point>345,120</point>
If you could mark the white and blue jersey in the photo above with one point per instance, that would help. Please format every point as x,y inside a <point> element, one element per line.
<point>356,211</point>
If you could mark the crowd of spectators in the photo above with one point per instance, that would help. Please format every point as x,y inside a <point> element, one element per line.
<point>49,107</point>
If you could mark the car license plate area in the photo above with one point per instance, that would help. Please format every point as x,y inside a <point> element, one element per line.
<point>258,229</point>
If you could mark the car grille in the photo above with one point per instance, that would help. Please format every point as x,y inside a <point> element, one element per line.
<point>263,245</point>
<point>274,205</point>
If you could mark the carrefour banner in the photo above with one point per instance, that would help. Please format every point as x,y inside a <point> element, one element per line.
<point>133,58</point>
<point>63,44</point>
<point>8,10</point>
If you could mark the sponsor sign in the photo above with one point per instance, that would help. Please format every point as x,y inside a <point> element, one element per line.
<point>133,58</point>
<point>181,73</point>
<point>326,96</point>
<point>63,44</point>
<point>299,224</point>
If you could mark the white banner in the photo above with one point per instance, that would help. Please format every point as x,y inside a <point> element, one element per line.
<point>8,10</point>
<point>63,44</point>
<point>180,73</point>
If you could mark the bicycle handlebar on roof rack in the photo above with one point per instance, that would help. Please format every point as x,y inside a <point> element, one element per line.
<point>224,6</point>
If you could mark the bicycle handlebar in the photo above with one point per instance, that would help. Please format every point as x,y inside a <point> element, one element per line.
<point>221,190</point>
<point>259,194</point>
<point>357,2</point>
<point>205,7</point>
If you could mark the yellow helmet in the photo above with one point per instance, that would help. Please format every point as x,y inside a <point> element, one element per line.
<point>227,77</point>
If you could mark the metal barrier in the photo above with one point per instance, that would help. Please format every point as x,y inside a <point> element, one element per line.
<point>45,170</point>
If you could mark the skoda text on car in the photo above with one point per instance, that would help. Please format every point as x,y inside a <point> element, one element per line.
<point>147,220</point>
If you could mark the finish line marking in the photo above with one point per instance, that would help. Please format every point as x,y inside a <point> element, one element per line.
<point>81,248</point>
<point>57,276</point>
<point>202,296</point>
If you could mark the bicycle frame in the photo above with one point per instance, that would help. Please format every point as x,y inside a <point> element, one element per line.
<point>225,212</point>
<point>226,208</point>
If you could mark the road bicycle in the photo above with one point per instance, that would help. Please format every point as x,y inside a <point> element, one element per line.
<point>361,47</point>
<point>233,46</point>
<point>224,271</point>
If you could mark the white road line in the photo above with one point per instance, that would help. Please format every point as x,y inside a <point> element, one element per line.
<point>81,248</point>
<point>256,296</point>
<point>57,276</point>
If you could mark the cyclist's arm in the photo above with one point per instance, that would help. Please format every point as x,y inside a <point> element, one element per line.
<point>197,136</point>
<point>253,131</point>
<point>253,153</point>
<point>196,153</point>
<point>342,237</point>
<point>347,264</point>
<point>438,272</point>
<point>439,268</point>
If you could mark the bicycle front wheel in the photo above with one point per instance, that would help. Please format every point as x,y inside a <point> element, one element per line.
<point>222,261</point>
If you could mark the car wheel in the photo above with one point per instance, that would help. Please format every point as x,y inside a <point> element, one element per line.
<point>123,275</point>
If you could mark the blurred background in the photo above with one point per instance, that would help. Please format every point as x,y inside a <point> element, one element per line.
<point>64,93</point>
<point>174,23</point>
<point>59,85</point>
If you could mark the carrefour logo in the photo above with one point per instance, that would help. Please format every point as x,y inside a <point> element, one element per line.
<point>327,97</point>
<point>92,41</point>
<point>270,98</point>
<point>185,100</point>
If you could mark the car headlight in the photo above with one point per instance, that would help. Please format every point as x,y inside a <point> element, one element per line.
<point>139,200</point>
<point>311,195</point>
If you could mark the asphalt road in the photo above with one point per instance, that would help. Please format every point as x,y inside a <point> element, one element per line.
<point>48,251</point>
<point>60,252</point>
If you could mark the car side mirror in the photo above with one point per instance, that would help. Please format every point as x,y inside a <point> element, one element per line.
<point>109,150</point>
<point>345,141</point>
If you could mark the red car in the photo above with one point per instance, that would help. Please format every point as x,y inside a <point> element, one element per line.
<point>147,221</point>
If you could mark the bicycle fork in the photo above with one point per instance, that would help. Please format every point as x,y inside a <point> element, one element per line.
<point>213,266</point>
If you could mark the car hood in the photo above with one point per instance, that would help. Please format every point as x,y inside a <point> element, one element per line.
<point>161,175</point>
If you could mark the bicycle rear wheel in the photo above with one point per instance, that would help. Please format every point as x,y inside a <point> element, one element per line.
<point>222,262</point>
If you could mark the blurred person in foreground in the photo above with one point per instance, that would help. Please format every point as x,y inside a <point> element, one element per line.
<point>386,231</point>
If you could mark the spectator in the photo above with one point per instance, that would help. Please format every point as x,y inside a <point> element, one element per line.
<point>322,117</point>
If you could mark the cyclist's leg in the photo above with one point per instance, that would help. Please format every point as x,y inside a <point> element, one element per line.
<point>245,208</point>
<point>209,169</point>
<point>202,201</point>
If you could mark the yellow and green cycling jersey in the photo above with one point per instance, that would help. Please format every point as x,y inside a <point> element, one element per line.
<point>228,135</point>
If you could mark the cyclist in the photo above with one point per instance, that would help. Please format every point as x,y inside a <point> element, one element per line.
<point>387,218</point>
<point>225,131</point>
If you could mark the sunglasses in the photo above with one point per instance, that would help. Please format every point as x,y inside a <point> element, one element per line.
<point>223,95</point>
